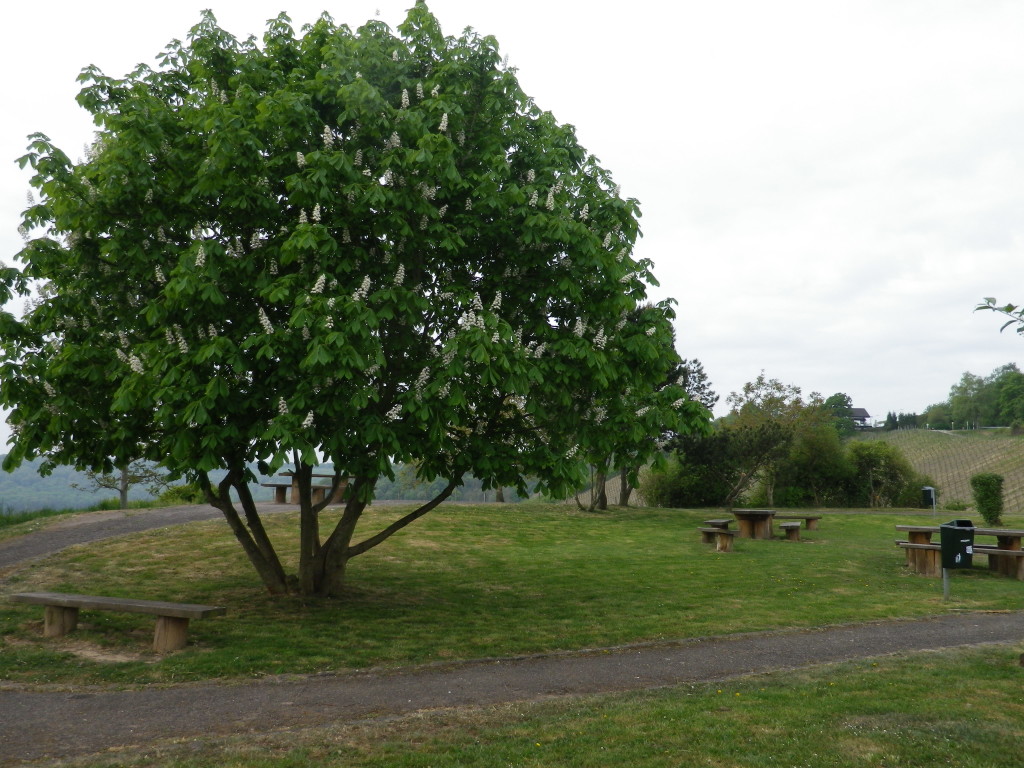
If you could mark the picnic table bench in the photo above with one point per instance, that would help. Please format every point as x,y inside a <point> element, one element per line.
<point>61,614</point>
<point>719,536</point>
<point>1006,556</point>
<point>792,530</point>
<point>810,521</point>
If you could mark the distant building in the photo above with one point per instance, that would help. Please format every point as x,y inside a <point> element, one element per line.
<point>860,418</point>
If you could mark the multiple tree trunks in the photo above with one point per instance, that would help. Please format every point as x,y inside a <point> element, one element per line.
<point>61,614</point>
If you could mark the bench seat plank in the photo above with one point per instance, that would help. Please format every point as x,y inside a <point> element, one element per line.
<point>122,604</point>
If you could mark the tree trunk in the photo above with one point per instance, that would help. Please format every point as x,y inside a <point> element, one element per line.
<point>499,495</point>
<point>625,489</point>
<point>250,534</point>
<point>124,487</point>
<point>601,488</point>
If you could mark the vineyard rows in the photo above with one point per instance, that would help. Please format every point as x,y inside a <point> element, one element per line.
<point>951,458</point>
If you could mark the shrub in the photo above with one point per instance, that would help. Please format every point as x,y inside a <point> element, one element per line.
<point>955,506</point>
<point>189,493</point>
<point>988,496</point>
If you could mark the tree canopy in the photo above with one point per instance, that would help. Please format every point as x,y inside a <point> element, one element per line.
<point>355,247</point>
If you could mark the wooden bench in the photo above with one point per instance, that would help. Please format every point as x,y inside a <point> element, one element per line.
<point>709,537</point>
<point>720,537</point>
<point>810,521</point>
<point>792,531</point>
<point>61,615</point>
<point>926,559</point>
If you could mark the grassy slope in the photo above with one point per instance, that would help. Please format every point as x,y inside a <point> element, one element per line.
<point>951,458</point>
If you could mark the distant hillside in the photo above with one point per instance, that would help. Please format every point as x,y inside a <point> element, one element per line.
<point>951,458</point>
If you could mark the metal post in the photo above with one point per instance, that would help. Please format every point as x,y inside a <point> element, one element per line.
<point>945,585</point>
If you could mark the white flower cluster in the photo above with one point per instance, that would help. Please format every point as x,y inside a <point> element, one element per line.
<point>405,99</point>
<point>600,413</point>
<point>318,287</point>
<point>160,275</point>
<point>49,389</point>
<point>394,413</point>
<point>400,275</point>
<point>607,240</point>
<point>149,196</point>
<point>394,141</point>
<point>201,257</point>
<point>531,176</point>
<point>265,322</point>
<point>180,339</point>
<point>442,210</point>
<point>678,403</point>
<point>282,406</point>
<point>550,204</point>
<point>300,159</point>
<point>600,340</point>
<point>496,304</point>
<point>363,291</point>
<point>651,331</point>
<point>273,267</point>
<point>585,213</point>
<point>572,452</point>
<point>210,329</point>
<point>469,204</point>
<point>419,90</point>
<point>303,219</point>
<point>580,327</point>
<point>478,305</point>
<point>308,421</point>
<point>435,90</point>
<point>643,410</point>
<point>358,161</point>
<point>316,213</point>
<point>328,136</point>
<point>135,364</point>
<point>533,199</point>
<point>346,236</point>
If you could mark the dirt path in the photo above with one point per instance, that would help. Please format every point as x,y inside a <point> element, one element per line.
<point>45,724</point>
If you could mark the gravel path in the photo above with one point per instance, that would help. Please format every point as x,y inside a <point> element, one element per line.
<point>46,724</point>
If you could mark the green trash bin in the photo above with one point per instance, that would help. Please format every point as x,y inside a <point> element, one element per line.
<point>956,539</point>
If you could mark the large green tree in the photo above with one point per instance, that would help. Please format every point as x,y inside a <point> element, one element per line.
<point>354,247</point>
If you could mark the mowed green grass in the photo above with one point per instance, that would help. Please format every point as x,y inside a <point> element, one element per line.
<point>959,708</point>
<point>470,582</point>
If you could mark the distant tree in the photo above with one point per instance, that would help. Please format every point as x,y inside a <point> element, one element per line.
<point>357,247</point>
<point>717,469</point>
<point>762,402</point>
<point>891,422</point>
<point>880,475</point>
<point>841,407</point>
<point>145,474</point>
<point>937,416</point>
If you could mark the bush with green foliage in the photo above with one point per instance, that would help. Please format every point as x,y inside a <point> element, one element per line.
<point>186,493</point>
<point>988,496</point>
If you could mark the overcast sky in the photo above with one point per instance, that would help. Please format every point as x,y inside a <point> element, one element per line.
<point>828,188</point>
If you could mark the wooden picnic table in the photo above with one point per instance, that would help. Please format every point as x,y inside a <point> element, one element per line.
<point>291,488</point>
<point>924,556</point>
<point>754,523</point>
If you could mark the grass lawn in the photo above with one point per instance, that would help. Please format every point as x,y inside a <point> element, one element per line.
<point>470,582</point>
<point>488,580</point>
<point>888,713</point>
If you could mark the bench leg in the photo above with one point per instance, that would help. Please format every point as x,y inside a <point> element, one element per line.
<point>170,634</point>
<point>58,621</point>
<point>280,496</point>
<point>793,534</point>
<point>812,525</point>
<point>707,538</point>
<point>724,543</point>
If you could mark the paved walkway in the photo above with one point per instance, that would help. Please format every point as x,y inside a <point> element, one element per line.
<point>39,724</point>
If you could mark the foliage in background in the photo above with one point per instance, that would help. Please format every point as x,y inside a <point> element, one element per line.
<point>988,496</point>
<point>358,247</point>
